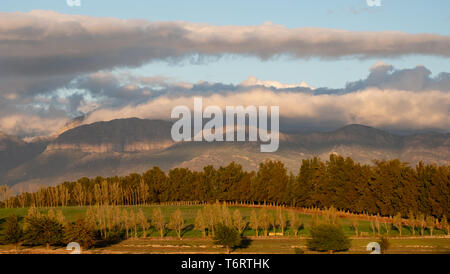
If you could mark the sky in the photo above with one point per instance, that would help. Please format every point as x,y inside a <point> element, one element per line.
<point>98,64</point>
<point>416,16</point>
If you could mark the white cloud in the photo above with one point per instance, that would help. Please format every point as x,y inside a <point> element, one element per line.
<point>42,42</point>
<point>380,64</point>
<point>31,125</point>
<point>253,81</point>
<point>374,107</point>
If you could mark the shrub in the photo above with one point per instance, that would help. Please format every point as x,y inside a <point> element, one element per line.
<point>43,230</point>
<point>328,237</point>
<point>81,232</point>
<point>13,230</point>
<point>299,251</point>
<point>384,244</point>
<point>227,237</point>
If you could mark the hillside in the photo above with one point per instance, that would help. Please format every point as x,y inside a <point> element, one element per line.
<point>122,146</point>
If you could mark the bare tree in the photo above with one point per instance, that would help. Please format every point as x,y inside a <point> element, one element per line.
<point>377,225</point>
<point>212,217</point>
<point>444,224</point>
<point>177,222</point>
<point>200,223</point>
<point>78,194</point>
<point>281,221</point>
<point>97,194</point>
<point>22,198</point>
<point>126,222</point>
<point>422,223</point>
<point>89,198</point>
<point>40,196</point>
<point>387,227</point>
<point>254,222</point>
<point>412,222</point>
<point>430,224</point>
<point>226,216</point>
<point>105,193</point>
<point>372,226</point>
<point>398,222</point>
<point>143,192</point>
<point>264,220</point>
<point>5,195</point>
<point>238,221</point>
<point>355,225</point>
<point>158,221</point>
<point>142,220</point>
<point>133,223</point>
<point>116,193</point>
<point>295,222</point>
<point>64,195</point>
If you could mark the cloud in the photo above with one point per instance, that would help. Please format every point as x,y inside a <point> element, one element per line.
<point>386,99</point>
<point>31,125</point>
<point>46,42</point>
<point>253,81</point>
<point>55,66</point>
<point>29,121</point>
<point>380,108</point>
<point>384,76</point>
<point>44,51</point>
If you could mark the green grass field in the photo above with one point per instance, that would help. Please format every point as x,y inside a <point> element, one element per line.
<point>193,242</point>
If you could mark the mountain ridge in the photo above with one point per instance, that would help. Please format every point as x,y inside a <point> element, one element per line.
<point>121,146</point>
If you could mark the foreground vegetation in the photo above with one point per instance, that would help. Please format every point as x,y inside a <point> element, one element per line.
<point>189,213</point>
<point>174,229</point>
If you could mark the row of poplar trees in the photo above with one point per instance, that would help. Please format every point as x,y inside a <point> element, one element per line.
<point>384,188</point>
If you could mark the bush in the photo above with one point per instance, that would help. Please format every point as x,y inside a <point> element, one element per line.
<point>43,230</point>
<point>13,230</point>
<point>328,237</point>
<point>384,244</point>
<point>299,251</point>
<point>81,232</point>
<point>227,237</point>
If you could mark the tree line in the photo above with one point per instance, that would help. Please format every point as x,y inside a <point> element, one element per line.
<point>385,188</point>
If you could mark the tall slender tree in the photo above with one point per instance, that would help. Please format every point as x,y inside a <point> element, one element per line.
<point>254,222</point>
<point>238,221</point>
<point>158,221</point>
<point>177,222</point>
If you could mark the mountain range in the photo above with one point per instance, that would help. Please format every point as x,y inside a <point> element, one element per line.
<point>124,146</point>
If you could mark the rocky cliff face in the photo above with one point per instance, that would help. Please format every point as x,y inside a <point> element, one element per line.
<point>112,147</point>
<point>124,135</point>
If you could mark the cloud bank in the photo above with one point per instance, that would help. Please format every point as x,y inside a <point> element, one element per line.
<point>55,66</point>
<point>42,42</point>
<point>104,96</point>
<point>379,108</point>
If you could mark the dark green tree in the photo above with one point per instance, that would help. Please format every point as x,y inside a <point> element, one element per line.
<point>271,181</point>
<point>227,237</point>
<point>43,230</point>
<point>13,231</point>
<point>327,237</point>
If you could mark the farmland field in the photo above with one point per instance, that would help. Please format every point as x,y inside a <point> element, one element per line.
<point>193,242</point>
